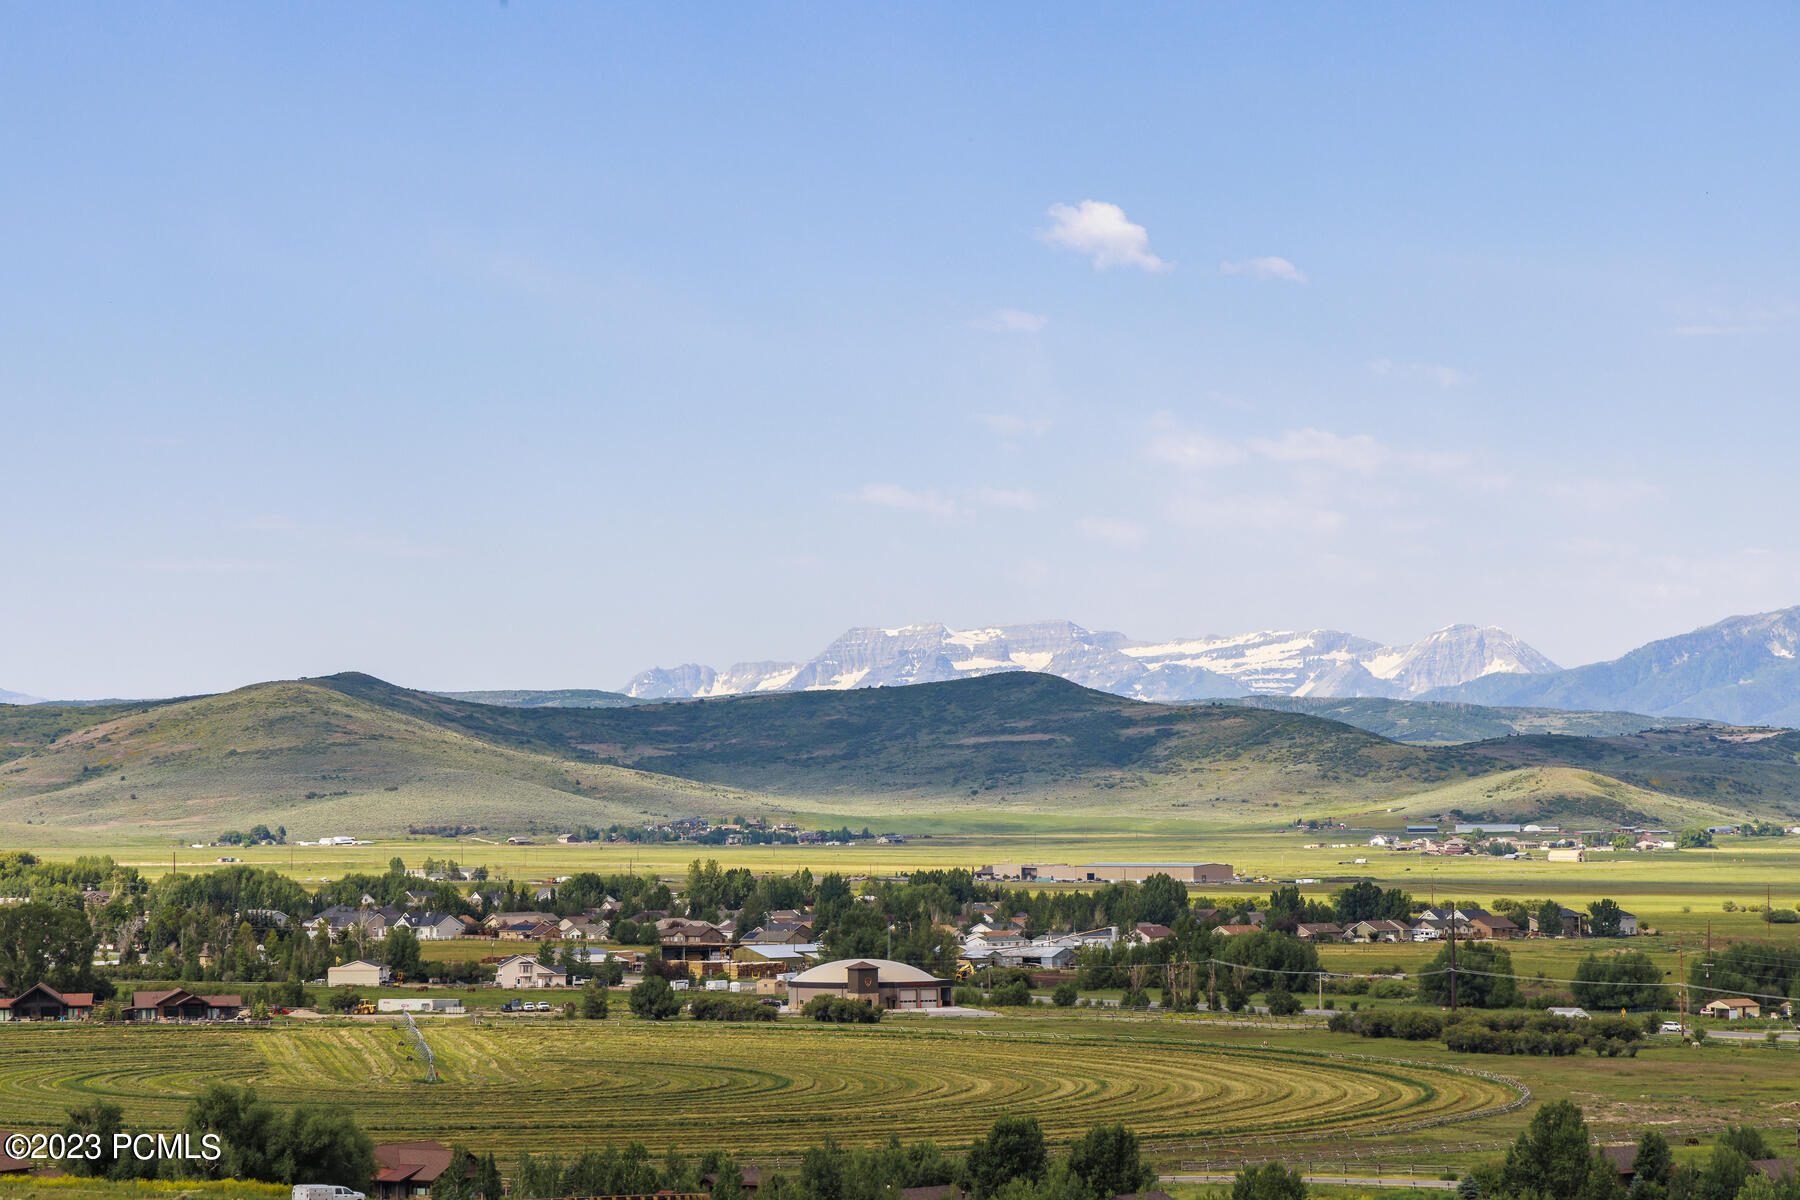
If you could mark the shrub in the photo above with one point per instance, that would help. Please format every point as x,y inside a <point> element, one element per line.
<point>710,1006</point>
<point>1013,994</point>
<point>1065,994</point>
<point>839,1010</point>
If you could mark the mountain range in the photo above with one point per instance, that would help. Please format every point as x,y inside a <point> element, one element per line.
<point>1318,662</point>
<point>1742,670</point>
<point>352,754</point>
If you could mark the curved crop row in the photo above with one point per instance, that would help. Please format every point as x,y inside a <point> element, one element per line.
<point>762,1090</point>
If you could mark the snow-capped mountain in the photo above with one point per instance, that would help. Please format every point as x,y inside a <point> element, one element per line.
<point>1319,662</point>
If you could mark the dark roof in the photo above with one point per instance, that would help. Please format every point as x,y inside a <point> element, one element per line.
<point>1621,1157</point>
<point>1775,1168</point>
<point>936,1191</point>
<point>419,1162</point>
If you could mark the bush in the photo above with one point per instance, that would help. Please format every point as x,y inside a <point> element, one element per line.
<point>710,1006</point>
<point>1014,994</point>
<point>1283,1003</point>
<point>654,999</point>
<point>1391,989</point>
<point>968,997</point>
<point>1065,995</point>
<point>839,1010</point>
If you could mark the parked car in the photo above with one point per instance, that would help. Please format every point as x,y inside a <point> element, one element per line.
<point>543,1006</point>
<point>325,1191</point>
<point>1669,1027</point>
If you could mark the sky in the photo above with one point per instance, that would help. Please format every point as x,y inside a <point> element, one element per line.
<point>530,345</point>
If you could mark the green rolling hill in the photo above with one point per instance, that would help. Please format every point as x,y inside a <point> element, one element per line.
<point>353,752</point>
<point>1444,723</point>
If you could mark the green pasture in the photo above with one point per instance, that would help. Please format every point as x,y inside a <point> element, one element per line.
<point>1195,1089</point>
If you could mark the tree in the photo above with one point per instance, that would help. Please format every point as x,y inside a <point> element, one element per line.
<point>1630,980</point>
<point>324,1142</point>
<point>344,999</point>
<point>1161,899</point>
<point>1551,1157</point>
<point>1604,917</point>
<point>593,1003</point>
<point>1015,993</point>
<point>1550,918</point>
<point>403,954</point>
<point>1107,1160</point>
<point>1695,837</point>
<point>1066,994</point>
<point>48,944</point>
<point>1483,977</point>
<point>1013,1149</point>
<point>103,1119</point>
<point>1652,1166</point>
<point>654,999</point>
<point>1271,1181</point>
<point>1283,1003</point>
<point>1747,1141</point>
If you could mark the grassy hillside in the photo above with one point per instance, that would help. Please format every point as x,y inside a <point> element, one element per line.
<point>561,698</point>
<point>351,753</point>
<point>1441,723</point>
<point>308,757</point>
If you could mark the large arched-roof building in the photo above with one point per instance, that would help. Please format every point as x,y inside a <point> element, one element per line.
<point>881,981</point>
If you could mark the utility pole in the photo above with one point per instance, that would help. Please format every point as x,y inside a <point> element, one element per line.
<point>1453,961</point>
<point>1681,975</point>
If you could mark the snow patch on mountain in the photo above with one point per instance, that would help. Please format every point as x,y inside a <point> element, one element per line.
<point>1318,662</point>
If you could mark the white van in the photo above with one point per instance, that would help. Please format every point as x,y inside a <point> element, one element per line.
<point>325,1191</point>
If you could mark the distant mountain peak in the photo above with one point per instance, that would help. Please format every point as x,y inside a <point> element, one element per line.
<point>7,697</point>
<point>1315,662</point>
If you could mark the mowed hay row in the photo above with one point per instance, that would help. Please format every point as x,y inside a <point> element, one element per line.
<point>756,1089</point>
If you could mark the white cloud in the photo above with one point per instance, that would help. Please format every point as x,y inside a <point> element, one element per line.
<point>1100,231</point>
<point>1187,448</point>
<point>1014,425</point>
<point>1022,499</point>
<point>1262,513</point>
<point>892,495</point>
<point>1124,534</point>
<point>1270,267</point>
<point>1011,320</point>
<point>1357,452</point>
<point>1444,377</point>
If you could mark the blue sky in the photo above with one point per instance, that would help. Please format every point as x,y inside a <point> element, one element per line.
<point>532,345</point>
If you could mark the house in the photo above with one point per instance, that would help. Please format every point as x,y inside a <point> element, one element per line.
<point>178,1004</point>
<point>405,1169</point>
<point>1145,932</point>
<point>880,981</point>
<point>1574,924</point>
<point>1319,931</point>
<point>702,947</point>
<point>749,1179</point>
<point>1379,931</point>
<point>1734,1008</point>
<point>432,926</point>
<point>779,933</point>
<point>525,971</point>
<point>1778,1169</point>
<point>342,919</point>
<point>360,973</point>
<point>1234,930</point>
<point>1489,925</point>
<point>10,1165</point>
<point>1573,854</point>
<point>497,921</point>
<point>1628,924</point>
<point>937,1191</point>
<point>1623,1159</point>
<point>40,1002</point>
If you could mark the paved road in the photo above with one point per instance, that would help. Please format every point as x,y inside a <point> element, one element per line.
<point>1747,1035</point>
<point>1443,1185</point>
